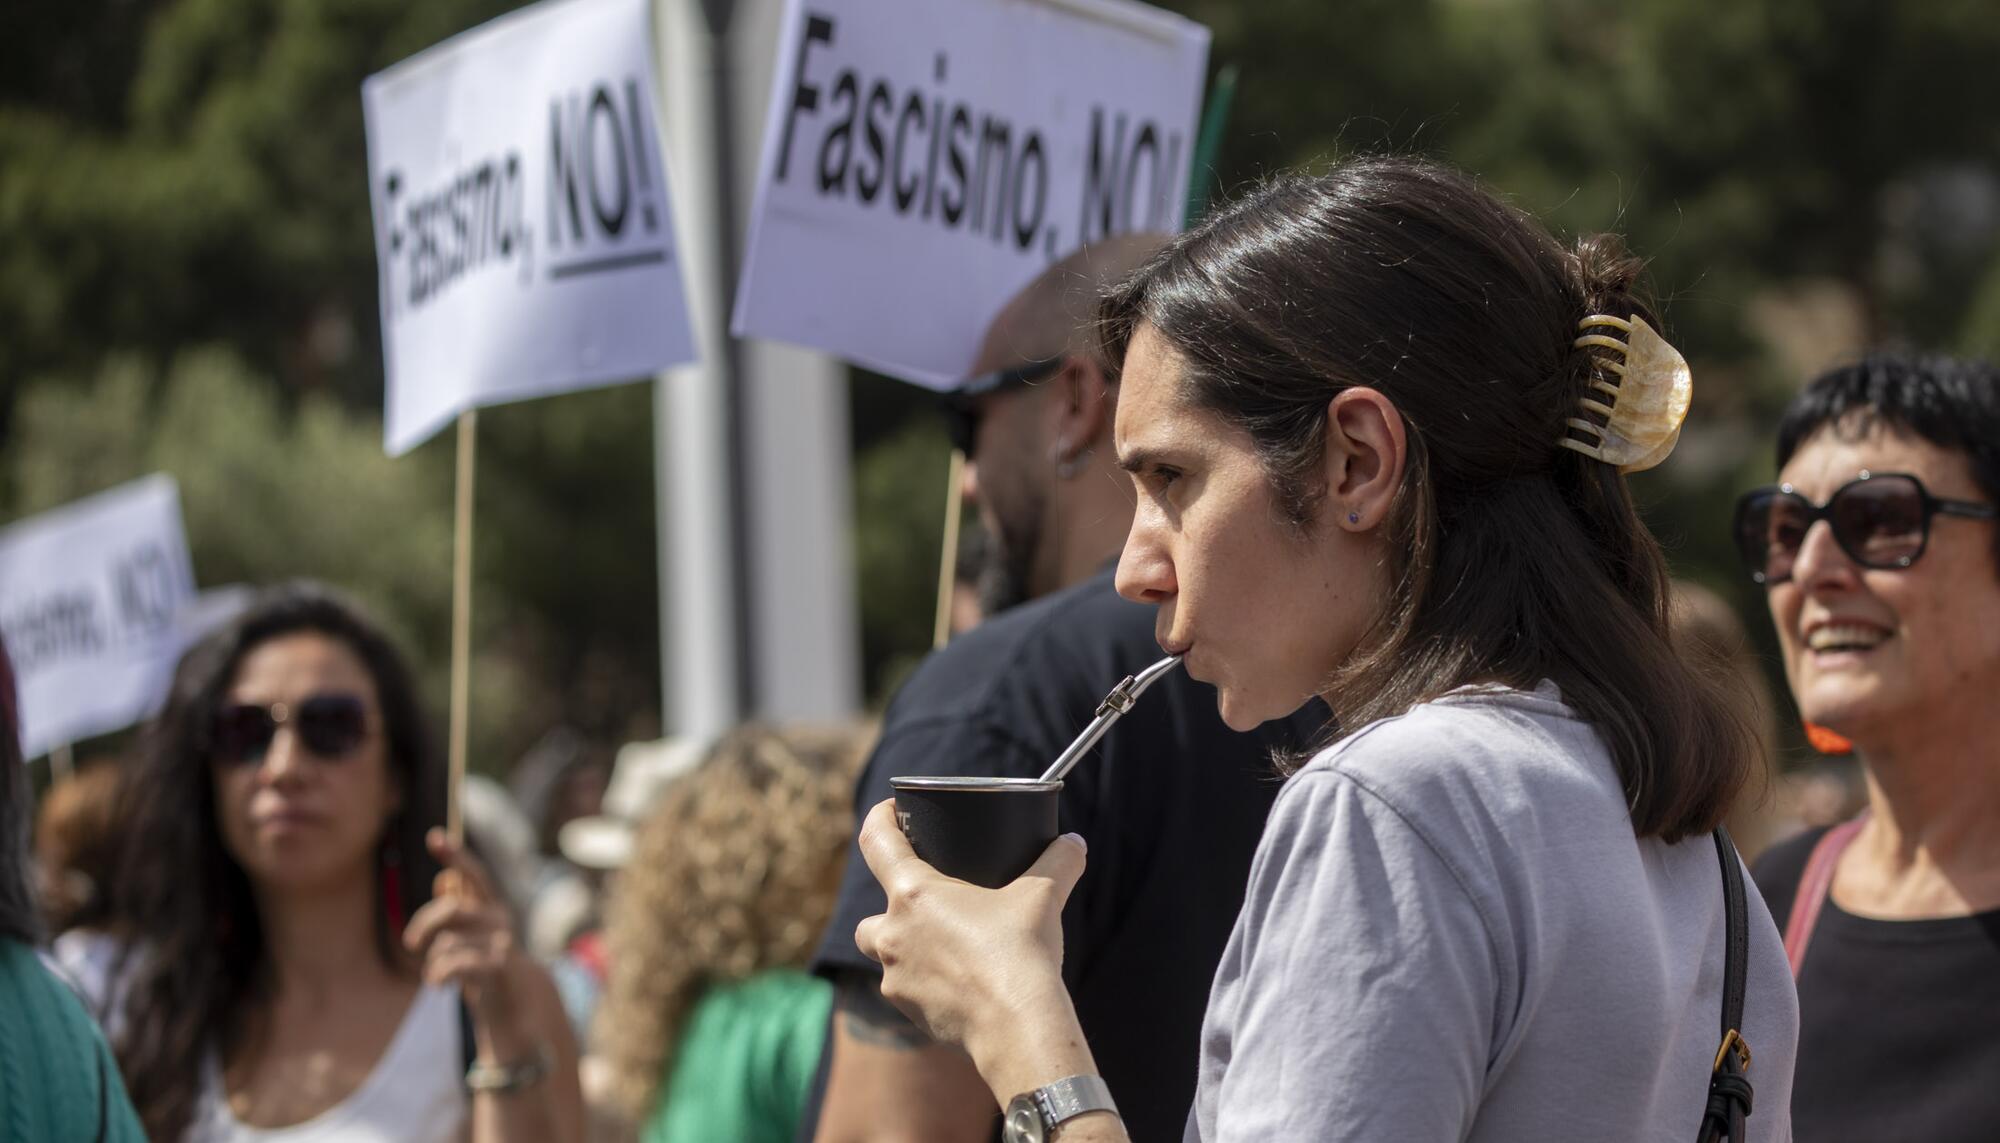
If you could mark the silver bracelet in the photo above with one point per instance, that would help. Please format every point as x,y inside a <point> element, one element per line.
<point>503,1078</point>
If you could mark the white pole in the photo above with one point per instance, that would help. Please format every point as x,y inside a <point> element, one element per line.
<point>798,492</point>
<point>694,426</point>
<point>805,628</point>
<point>758,609</point>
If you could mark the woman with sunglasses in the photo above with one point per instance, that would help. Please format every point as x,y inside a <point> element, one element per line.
<point>283,971</point>
<point>1369,442</point>
<point>1880,558</point>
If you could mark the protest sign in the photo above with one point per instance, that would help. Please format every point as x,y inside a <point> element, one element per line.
<point>522,219</point>
<point>925,159</point>
<point>95,602</point>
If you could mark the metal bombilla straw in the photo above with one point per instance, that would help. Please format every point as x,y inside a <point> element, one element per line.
<point>1109,711</point>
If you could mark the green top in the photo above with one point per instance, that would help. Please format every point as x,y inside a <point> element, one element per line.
<point>746,1061</point>
<point>57,1078</point>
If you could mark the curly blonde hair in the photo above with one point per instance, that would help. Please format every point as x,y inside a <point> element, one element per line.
<point>733,872</point>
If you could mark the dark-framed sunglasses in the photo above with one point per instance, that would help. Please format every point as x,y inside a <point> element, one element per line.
<point>965,406</point>
<point>328,725</point>
<point>1880,519</point>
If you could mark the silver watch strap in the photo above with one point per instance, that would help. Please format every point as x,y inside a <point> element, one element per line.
<point>1073,1096</point>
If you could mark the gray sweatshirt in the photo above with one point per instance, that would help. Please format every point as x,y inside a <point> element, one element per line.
<point>1451,933</point>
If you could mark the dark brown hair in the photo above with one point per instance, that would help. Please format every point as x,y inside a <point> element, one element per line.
<point>1514,560</point>
<point>76,848</point>
<point>198,972</point>
<point>18,920</point>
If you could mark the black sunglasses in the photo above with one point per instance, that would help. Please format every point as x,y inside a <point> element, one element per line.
<point>1880,519</point>
<point>963,407</point>
<point>329,726</point>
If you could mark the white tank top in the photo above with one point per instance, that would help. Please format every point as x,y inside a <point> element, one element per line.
<point>414,1094</point>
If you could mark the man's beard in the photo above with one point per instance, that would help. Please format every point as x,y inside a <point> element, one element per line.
<point>1006,565</point>
<point>1003,582</point>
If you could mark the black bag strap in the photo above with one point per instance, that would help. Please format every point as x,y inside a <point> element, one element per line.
<point>1728,1082</point>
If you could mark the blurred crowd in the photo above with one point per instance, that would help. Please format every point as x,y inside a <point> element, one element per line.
<point>704,870</point>
<point>261,892</point>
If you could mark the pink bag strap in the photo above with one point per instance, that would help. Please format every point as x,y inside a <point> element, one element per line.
<point>1814,886</point>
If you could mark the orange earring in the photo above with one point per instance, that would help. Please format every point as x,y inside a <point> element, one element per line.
<point>1826,741</point>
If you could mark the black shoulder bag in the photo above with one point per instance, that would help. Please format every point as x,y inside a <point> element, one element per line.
<point>1728,1082</point>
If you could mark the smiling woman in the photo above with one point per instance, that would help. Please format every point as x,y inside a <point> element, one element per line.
<point>1366,415</point>
<point>1880,558</point>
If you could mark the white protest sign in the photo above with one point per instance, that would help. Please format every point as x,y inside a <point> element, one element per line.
<point>522,221</point>
<point>95,597</point>
<point>925,159</point>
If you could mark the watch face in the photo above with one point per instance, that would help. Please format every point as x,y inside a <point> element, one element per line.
<point>1024,1121</point>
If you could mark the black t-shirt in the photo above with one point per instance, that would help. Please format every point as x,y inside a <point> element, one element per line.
<point>1171,801</point>
<point>1899,1021</point>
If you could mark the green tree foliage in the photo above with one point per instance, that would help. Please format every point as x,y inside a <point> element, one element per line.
<point>187,279</point>
<point>899,484</point>
<point>270,492</point>
<point>193,174</point>
<point>189,172</point>
<point>266,492</point>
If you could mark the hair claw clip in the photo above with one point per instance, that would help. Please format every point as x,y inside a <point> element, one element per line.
<point>1648,402</point>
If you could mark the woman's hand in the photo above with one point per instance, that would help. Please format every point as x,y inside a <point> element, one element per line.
<point>465,936</point>
<point>981,968</point>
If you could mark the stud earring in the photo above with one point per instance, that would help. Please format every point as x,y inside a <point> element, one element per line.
<point>1354,517</point>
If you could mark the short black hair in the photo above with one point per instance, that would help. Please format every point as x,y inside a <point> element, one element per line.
<point>1952,402</point>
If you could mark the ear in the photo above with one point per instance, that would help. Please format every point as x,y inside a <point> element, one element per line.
<point>1365,448</point>
<point>1080,409</point>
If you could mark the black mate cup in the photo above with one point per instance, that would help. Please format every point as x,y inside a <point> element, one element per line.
<point>984,830</point>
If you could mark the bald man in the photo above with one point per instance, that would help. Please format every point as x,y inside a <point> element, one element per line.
<point>1171,802</point>
<point>1034,423</point>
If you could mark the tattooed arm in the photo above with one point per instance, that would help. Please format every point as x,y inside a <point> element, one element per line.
<point>888,1083</point>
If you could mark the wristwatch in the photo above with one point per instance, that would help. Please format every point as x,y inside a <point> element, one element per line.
<point>1034,1117</point>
